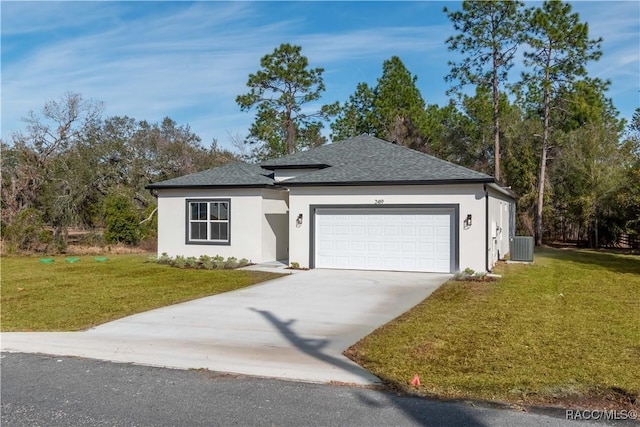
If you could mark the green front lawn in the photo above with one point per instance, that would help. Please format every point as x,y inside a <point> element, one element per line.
<point>65,296</point>
<point>567,327</point>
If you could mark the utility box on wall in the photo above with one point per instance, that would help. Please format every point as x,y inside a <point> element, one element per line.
<point>521,248</point>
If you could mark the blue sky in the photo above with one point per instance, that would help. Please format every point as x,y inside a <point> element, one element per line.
<point>189,60</point>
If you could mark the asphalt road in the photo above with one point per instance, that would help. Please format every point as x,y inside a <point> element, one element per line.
<point>39,390</point>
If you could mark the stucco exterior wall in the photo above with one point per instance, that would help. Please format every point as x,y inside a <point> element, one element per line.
<point>498,223</point>
<point>469,197</point>
<point>247,223</point>
<point>275,225</point>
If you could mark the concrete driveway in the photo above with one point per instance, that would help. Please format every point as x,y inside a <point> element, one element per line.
<point>295,327</point>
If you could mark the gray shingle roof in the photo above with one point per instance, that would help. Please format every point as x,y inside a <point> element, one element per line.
<point>363,160</point>
<point>369,160</point>
<point>231,175</point>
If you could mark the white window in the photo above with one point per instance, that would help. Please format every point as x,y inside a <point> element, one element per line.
<point>208,221</point>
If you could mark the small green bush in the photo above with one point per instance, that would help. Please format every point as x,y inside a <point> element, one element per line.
<point>295,265</point>
<point>179,261</point>
<point>231,262</point>
<point>206,262</point>
<point>218,261</point>
<point>243,262</point>
<point>192,262</point>
<point>164,259</point>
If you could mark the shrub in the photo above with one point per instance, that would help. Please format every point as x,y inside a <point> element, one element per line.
<point>179,261</point>
<point>121,220</point>
<point>192,262</point>
<point>243,262</point>
<point>231,262</point>
<point>206,262</point>
<point>218,261</point>
<point>471,276</point>
<point>164,259</point>
<point>295,265</point>
<point>26,232</point>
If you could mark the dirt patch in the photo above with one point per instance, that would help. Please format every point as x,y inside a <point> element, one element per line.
<point>608,400</point>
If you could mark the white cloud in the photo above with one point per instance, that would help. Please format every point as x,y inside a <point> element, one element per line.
<point>190,61</point>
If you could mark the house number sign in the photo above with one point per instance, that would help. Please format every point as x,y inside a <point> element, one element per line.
<point>379,201</point>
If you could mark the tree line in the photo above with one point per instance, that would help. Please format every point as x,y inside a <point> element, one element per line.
<point>551,134</point>
<point>72,168</point>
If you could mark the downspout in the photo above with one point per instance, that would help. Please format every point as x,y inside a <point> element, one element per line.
<point>486,229</point>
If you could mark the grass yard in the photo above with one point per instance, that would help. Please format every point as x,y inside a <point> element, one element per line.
<point>563,331</point>
<point>65,296</point>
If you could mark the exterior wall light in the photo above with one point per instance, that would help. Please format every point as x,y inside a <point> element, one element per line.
<point>467,221</point>
<point>299,220</point>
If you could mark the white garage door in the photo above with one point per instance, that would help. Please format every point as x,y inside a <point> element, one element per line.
<point>384,239</point>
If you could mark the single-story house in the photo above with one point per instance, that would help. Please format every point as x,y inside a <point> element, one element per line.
<point>361,203</point>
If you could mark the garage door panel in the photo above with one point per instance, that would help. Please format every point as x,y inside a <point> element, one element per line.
<point>442,231</point>
<point>374,230</point>
<point>408,230</point>
<point>408,264</point>
<point>441,266</point>
<point>325,245</point>
<point>358,230</point>
<point>425,231</point>
<point>408,247</point>
<point>341,230</point>
<point>341,245</point>
<point>384,239</point>
<point>390,248</point>
<point>373,247</point>
<point>390,230</point>
<point>426,247</point>
<point>358,262</point>
<point>358,247</point>
<point>391,263</point>
<point>373,262</point>
<point>425,264</point>
<point>325,230</point>
<point>442,247</point>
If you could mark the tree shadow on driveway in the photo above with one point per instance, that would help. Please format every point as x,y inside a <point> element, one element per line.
<point>423,411</point>
<point>313,346</point>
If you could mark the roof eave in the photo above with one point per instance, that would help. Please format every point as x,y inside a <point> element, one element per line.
<point>507,191</point>
<point>211,186</point>
<point>372,183</point>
